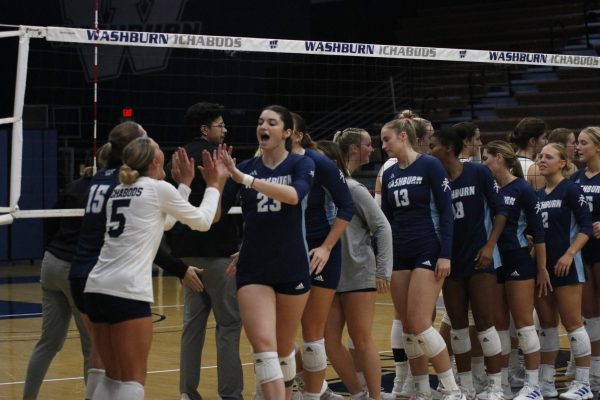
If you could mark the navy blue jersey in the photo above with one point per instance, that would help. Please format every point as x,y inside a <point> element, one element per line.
<point>475,201</point>
<point>328,179</point>
<point>91,237</point>
<point>565,213</point>
<point>591,191</point>
<point>274,246</point>
<point>523,216</point>
<point>416,200</point>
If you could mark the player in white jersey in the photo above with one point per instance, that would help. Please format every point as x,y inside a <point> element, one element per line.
<point>118,291</point>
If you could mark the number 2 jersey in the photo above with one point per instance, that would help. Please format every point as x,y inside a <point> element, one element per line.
<point>274,248</point>
<point>137,215</point>
<point>565,213</point>
<point>417,202</point>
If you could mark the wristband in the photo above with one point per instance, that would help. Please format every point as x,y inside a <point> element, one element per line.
<point>248,180</point>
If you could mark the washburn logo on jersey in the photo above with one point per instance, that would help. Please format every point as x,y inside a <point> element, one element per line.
<point>590,188</point>
<point>335,47</point>
<point>496,186</point>
<point>282,180</point>
<point>446,184</point>
<point>404,180</point>
<point>551,204</point>
<point>510,201</point>
<point>582,201</point>
<point>463,192</point>
<point>131,21</point>
<point>538,207</point>
<point>342,177</point>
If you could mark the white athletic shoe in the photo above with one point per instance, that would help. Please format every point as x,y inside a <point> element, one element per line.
<point>491,394</point>
<point>455,395</point>
<point>528,392</point>
<point>408,389</point>
<point>387,396</point>
<point>480,383</point>
<point>331,395</point>
<point>398,385</point>
<point>548,389</point>
<point>516,377</point>
<point>577,391</point>
<point>595,383</point>
<point>421,396</point>
<point>470,394</point>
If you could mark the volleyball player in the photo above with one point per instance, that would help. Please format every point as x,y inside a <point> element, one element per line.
<point>529,136</point>
<point>568,226</point>
<point>325,254</point>
<point>517,276</point>
<point>479,218</point>
<point>92,233</point>
<point>118,291</point>
<point>417,201</point>
<point>588,148</point>
<point>567,138</point>
<point>273,268</point>
<point>471,136</point>
<point>363,276</point>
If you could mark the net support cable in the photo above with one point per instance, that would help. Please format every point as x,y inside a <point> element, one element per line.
<point>97,37</point>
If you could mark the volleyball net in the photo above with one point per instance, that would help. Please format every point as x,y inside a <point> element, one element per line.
<point>333,85</point>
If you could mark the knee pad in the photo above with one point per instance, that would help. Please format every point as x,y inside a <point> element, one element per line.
<point>94,377</point>
<point>549,340</point>
<point>411,347</point>
<point>592,326</point>
<point>460,341</point>
<point>431,342</point>
<point>266,367</point>
<point>446,320</point>
<point>350,343</point>
<point>470,318</point>
<point>504,342</point>
<point>580,342</point>
<point>490,342</point>
<point>313,356</point>
<point>529,342</point>
<point>288,367</point>
<point>396,335</point>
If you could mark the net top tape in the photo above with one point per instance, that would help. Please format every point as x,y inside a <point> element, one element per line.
<point>232,43</point>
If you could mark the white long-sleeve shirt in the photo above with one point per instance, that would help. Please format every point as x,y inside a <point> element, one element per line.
<point>136,216</point>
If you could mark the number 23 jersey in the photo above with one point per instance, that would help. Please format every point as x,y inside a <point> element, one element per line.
<point>274,248</point>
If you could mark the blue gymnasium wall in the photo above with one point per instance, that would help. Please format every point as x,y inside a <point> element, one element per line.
<point>24,238</point>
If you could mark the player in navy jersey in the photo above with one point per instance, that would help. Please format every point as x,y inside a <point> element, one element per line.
<point>568,226</point>
<point>517,276</point>
<point>324,252</point>
<point>588,178</point>
<point>416,198</point>
<point>479,217</point>
<point>118,291</point>
<point>273,268</point>
<point>91,237</point>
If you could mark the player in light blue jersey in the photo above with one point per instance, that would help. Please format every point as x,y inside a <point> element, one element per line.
<point>517,276</point>
<point>568,226</point>
<point>588,178</point>
<point>273,269</point>
<point>479,217</point>
<point>416,199</point>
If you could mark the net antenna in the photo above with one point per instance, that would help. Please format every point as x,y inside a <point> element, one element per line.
<point>96,36</point>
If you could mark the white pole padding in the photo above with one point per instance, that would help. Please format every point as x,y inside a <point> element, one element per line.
<point>17,132</point>
<point>4,121</point>
<point>11,34</point>
<point>6,219</point>
<point>54,213</point>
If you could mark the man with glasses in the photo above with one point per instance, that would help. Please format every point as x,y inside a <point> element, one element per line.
<point>209,251</point>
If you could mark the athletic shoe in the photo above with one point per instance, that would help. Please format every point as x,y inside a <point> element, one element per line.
<point>480,383</point>
<point>548,389</point>
<point>296,396</point>
<point>331,395</point>
<point>595,383</point>
<point>470,394</point>
<point>577,391</point>
<point>528,392</point>
<point>398,385</point>
<point>184,396</point>
<point>421,396</point>
<point>455,395</point>
<point>491,394</point>
<point>408,389</point>
<point>516,377</point>
<point>387,396</point>
<point>570,370</point>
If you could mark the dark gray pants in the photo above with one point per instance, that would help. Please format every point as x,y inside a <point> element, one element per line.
<point>220,296</point>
